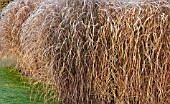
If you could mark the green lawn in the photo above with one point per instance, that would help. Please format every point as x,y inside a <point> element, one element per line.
<point>13,90</point>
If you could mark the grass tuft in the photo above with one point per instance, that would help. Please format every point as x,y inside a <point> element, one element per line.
<point>91,51</point>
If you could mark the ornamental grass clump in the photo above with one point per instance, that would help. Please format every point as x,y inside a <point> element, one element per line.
<point>92,51</point>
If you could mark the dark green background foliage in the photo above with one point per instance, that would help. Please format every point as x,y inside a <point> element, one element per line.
<point>3,3</point>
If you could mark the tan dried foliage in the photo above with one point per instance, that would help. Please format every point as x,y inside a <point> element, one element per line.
<point>92,51</point>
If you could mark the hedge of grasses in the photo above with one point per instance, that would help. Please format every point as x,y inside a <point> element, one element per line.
<point>92,51</point>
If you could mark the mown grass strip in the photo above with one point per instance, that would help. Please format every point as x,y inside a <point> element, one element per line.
<point>14,88</point>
